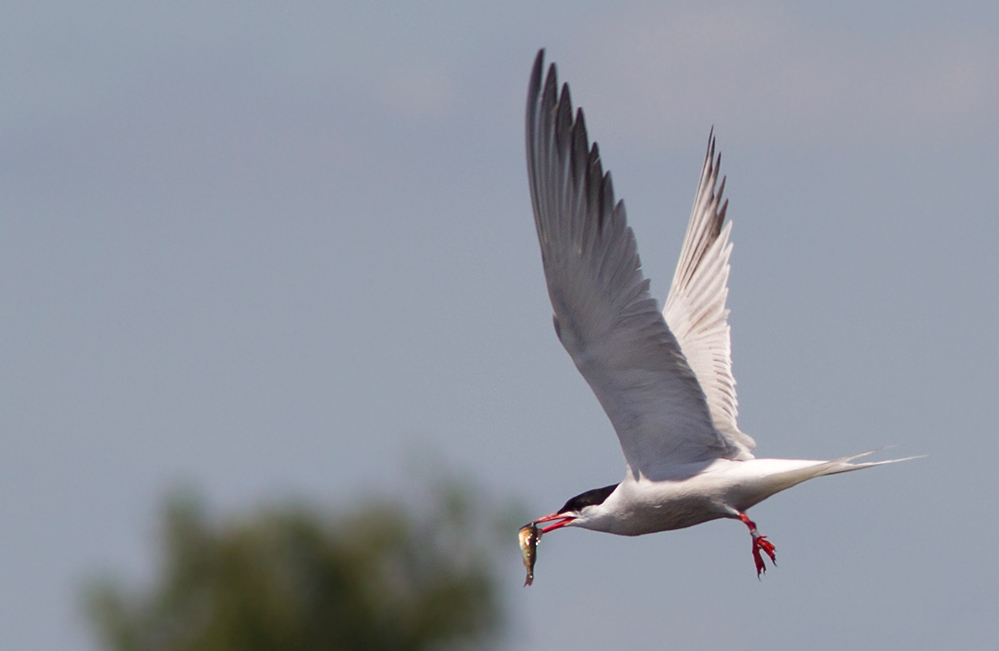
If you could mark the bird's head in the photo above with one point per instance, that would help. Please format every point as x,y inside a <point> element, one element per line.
<point>578,511</point>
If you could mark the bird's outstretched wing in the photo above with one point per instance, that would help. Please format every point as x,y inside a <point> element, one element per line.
<point>604,315</point>
<point>695,309</point>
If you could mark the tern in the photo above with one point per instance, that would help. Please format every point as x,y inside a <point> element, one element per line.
<point>664,378</point>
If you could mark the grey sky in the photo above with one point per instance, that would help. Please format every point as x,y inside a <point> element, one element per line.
<point>268,250</point>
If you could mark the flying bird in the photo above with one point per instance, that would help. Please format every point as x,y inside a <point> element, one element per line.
<point>663,377</point>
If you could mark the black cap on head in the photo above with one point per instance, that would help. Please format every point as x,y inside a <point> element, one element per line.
<point>589,498</point>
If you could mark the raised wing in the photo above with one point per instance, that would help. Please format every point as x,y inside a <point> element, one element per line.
<point>695,309</point>
<point>604,314</point>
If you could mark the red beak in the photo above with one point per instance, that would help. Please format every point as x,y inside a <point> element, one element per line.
<point>561,518</point>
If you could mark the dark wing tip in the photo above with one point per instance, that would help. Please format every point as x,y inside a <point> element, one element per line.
<point>537,91</point>
<point>558,144</point>
<point>535,85</point>
<point>709,156</point>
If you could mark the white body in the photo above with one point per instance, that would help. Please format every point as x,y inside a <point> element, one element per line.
<point>699,492</point>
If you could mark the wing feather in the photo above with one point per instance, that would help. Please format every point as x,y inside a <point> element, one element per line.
<point>604,314</point>
<point>695,309</point>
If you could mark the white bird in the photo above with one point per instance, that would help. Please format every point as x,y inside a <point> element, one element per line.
<point>664,378</point>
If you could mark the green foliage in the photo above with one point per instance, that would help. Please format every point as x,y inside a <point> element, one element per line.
<point>377,579</point>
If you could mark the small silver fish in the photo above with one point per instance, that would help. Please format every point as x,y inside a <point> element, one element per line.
<point>529,536</point>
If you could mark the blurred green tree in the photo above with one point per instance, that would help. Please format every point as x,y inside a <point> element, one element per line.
<point>376,579</point>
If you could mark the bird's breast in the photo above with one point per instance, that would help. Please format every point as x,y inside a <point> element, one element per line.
<point>648,507</point>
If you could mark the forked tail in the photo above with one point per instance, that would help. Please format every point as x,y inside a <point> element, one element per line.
<point>796,471</point>
<point>843,465</point>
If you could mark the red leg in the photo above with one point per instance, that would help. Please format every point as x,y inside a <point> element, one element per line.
<point>759,542</point>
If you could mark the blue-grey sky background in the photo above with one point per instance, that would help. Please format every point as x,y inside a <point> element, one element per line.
<point>270,250</point>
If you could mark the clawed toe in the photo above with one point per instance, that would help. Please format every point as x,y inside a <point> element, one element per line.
<point>767,546</point>
<point>760,542</point>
